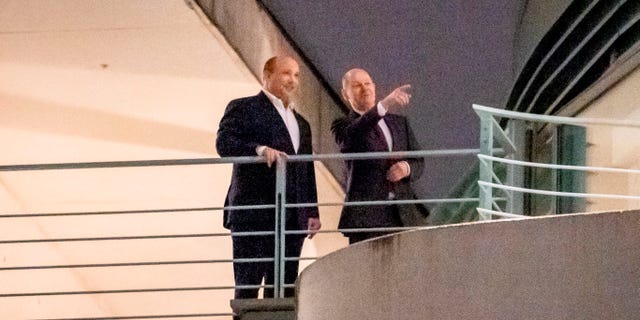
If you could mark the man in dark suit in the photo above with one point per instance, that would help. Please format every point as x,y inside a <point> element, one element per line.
<point>267,125</point>
<point>370,127</point>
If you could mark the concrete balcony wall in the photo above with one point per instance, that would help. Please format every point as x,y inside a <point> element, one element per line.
<point>581,266</point>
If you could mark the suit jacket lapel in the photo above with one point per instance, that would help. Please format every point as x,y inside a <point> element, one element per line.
<point>279,127</point>
<point>380,141</point>
<point>305,135</point>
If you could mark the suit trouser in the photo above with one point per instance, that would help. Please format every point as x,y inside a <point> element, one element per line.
<point>394,221</point>
<point>252,273</point>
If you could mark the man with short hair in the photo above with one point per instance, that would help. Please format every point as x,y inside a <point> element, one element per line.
<point>267,125</point>
<point>371,127</point>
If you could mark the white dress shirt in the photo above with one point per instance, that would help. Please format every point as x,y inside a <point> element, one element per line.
<point>286,113</point>
<point>387,132</point>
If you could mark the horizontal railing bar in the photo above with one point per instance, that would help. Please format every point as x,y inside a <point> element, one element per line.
<point>248,233</point>
<point>558,193</point>
<point>386,202</point>
<point>380,202</point>
<point>114,212</point>
<point>558,166</point>
<point>161,316</point>
<point>308,258</point>
<point>391,229</point>
<point>554,119</point>
<point>382,155</point>
<point>112,238</point>
<point>68,293</point>
<point>245,207</point>
<point>111,212</point>
<point>133,163</point>
<point>202,235</point>
<point>230,160</point>
<point>195,235</point>
<point>502,214</point>
<point>136,264</point>
<point>150,263</point>
<point>221,234</point>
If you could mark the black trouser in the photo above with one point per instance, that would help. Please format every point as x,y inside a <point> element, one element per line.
<point>355,237</point>
<point>252,273</point>
<point>395,221</point>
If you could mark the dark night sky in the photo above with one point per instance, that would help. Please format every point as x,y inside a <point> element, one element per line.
<point>454,53</point>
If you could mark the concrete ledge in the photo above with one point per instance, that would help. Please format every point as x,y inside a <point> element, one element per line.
<point>579,266</point>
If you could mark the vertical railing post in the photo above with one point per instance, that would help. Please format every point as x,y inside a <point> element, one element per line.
<point>516,174</point>
<point>486,165</point>
<point>280,225</point>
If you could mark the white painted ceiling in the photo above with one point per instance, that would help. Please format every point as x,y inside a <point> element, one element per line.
<point>112,80</point>
<point>95,80</point>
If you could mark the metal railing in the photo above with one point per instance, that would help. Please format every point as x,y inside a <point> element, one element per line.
<point>279,232</point>
<point>511,139</point>
<point>500,195</point>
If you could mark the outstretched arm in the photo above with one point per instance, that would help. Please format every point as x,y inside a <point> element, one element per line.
<point>350,131</point>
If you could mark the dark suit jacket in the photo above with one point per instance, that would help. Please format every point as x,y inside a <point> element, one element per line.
<point>247,123</point>
<point>366,179</point>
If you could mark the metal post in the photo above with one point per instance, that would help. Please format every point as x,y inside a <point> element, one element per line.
<point>280,225</point>
<point>486,166</point>
<point>515,174</point>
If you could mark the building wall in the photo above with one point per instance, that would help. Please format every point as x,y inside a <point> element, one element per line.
<point>615,147</point>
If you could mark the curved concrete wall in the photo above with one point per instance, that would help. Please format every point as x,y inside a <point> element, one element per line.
<point>582,266</point>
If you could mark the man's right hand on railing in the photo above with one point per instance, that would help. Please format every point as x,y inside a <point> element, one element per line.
<point>271,155</point>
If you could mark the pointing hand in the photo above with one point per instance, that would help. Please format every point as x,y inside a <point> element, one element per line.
<point>397,98</point>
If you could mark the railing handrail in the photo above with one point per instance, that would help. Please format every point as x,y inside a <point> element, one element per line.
<point>557,193</point>
<point>514,163</point>
<point>245,159</point>
<point>207,161</point>
<point>554,119</point>
<point>557,166</point>
<point>243,207</point>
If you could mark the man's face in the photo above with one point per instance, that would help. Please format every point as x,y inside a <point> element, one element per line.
<point>282,81</point>
<point>359,90</point>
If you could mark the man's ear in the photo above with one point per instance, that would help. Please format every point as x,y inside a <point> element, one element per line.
<point>344,96</point>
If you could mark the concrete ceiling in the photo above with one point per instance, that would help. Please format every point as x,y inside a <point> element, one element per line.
<point>92,80</point>
<point>95,80</point>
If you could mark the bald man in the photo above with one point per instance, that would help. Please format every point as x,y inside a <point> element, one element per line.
<point>267,125</point>
<point>372,127</point>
